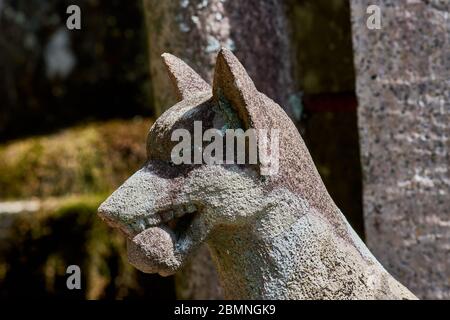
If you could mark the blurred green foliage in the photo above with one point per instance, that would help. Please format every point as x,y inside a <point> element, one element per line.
<point>93,158</point>
<point>40,246</point>
<point>321,32</point>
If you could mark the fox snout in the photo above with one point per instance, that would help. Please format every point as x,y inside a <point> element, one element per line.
<point>155,221</point>
<point>133,207</point>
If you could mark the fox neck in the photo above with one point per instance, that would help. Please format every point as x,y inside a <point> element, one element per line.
<point>288,254</point>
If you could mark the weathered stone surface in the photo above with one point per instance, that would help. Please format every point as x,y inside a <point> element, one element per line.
<point>403,81</point>
<point>277,236</point>
<point>192,285</point>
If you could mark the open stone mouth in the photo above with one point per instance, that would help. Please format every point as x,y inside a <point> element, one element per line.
<point>176,218</point>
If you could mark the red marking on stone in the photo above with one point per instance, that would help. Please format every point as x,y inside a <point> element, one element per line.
<point>330,102</point>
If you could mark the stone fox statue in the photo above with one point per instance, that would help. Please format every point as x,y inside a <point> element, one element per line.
<point>276,236</point>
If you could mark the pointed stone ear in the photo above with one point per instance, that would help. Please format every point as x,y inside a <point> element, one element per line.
<point>232,84</point>
<point>185,80</point>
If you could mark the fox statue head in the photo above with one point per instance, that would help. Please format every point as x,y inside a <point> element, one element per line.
<point>167,209</point>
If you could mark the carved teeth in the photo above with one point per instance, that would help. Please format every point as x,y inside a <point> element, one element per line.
<point>177,212</point>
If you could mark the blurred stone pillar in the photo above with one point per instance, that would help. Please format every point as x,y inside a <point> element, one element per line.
<point>194,30</point>
<point>403,87</point>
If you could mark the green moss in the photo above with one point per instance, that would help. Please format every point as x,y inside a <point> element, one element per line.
<point>89,159</point>
<point>232,120</point>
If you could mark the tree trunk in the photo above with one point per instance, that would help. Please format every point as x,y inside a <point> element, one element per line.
<point>403,80</point>
<point>194,31</point>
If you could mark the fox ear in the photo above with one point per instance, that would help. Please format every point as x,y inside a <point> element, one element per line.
<point>186,81</point>
<point>233,84</point>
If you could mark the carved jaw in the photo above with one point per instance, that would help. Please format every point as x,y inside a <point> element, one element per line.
<point>160,247</point>
<point>164,248</point>
<point>160,233</point>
